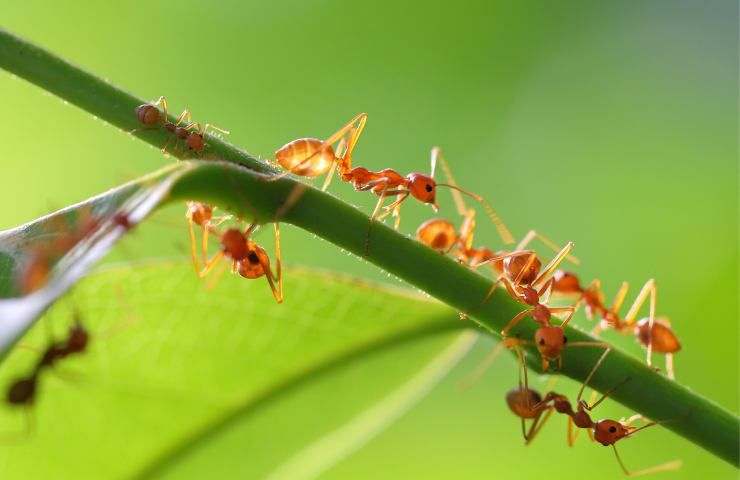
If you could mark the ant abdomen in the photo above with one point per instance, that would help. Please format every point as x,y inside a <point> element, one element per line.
<point>437,233</point>
<point>294,156</point>
<point>662,337</point>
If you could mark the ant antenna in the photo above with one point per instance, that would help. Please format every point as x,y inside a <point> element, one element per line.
<point>502,230</point>
<point>459,203</point>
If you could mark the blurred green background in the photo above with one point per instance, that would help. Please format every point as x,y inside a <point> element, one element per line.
<point>611,124</point>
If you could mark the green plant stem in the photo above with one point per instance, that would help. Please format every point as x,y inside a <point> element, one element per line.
<point>245,192</point>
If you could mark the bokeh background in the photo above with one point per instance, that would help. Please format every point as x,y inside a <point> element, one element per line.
<point>611,124</point>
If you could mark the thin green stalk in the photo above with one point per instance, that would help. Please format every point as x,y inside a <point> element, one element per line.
<point>244,191</point>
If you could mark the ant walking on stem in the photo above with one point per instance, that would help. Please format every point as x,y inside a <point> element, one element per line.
<point>192,134</point>
<point>522,278</point>
<point>655,334</point>
<point>313,157</point>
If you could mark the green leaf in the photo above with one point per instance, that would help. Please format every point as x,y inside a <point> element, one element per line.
<point>179,378</point>
<point>66,244</point>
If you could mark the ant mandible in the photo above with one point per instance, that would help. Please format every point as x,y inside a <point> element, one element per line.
<point>192,134</point>
<point>313,157</point>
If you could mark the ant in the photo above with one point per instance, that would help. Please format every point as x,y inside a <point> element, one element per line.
<point>22,392</point>
<point>312,157</point>
<point>654,334</point>
<point>522,278</point>
<point>248,259</point>
<point>606,431</point>
<point>192,134</point>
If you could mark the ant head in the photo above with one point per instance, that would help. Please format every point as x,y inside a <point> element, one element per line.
<point>252,265</point>
<point>199,213</point>
<point>437,234</point>
<point>423,188</point>
<point>550,341</point>
<point>515,264</point>
<point>566,282</point>
<point>234,244</point>
<point>147,114</point>
<point>522,400</point>
<point>195,142</point>
<point>608,432</point>
<point>22,391</point>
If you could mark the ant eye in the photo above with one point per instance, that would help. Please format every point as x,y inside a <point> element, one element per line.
<point>612,429</point>
<point>429,188</point>
<point>565,339</point>
<point>542,341</point>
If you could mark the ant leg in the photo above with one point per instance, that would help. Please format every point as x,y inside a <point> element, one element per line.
<point>669,366</point>
<point>648,289</point>
<point>570,311</point>
<point>514,321</point>
<point>207,126</point>
<point>532,234</point>
<point>383,195</point>
<point>279,267</point>
<point>537,426</point>
<point>213,281</point>
<point>193,255</point>
<point>553,264</point>
<point>161,101</point>
<point>530,261</point>
<point>571,437</point>
<point>185,114</point>
<point>674,465</point>
<point>211,263</point>
<point>204,230</point>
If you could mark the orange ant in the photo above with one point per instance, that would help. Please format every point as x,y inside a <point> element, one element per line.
<point>248,259</point>
<point>607,432</point>
<point>192,134</point>
<point>312,157</point>
<point>522,278</point>
<point>654,334</point>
